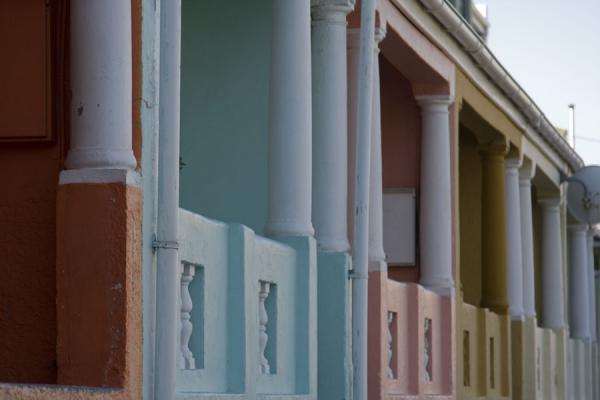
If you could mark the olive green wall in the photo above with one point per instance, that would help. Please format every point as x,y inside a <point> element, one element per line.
<point>224,109</point>
<point>537,252</point>
<point>470,217</point>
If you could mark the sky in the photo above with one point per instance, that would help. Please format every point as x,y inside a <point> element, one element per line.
<point>552,49</point>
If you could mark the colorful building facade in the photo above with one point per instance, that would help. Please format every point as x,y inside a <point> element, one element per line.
<point>183,222</point>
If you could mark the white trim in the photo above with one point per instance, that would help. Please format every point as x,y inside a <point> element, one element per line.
<point>100,176</point>
<point>478,50</point>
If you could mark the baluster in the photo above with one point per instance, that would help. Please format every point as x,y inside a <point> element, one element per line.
<point>186,359</point>
<point>263,319</point>
<point>390,342</point>
<point>427,351</point>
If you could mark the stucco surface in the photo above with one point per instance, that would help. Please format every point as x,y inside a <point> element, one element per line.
<point>470,219</point>
<point>224,110</point>
<point>401,129</point>
<point>99,286</point>
<point>27,287</point>
<point>40,392</point>
<point>29,172</point>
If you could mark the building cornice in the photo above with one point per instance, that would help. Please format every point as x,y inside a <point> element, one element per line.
<point>474,45</point>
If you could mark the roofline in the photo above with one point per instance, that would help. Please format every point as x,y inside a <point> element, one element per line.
<point>470,41</point>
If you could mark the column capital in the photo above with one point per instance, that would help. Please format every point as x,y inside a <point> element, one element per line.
<point>549,201</point>
<point>354,37</point>
<point>332,11</point>
<point>527,170</point>
<point>512,164</point>
<point>579,228</point>
<point>435,102</point>
<point>496,147</point>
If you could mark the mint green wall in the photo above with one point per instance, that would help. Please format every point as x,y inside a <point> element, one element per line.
<point>224,109</point>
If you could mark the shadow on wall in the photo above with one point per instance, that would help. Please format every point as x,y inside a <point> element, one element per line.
<point>224,110</point>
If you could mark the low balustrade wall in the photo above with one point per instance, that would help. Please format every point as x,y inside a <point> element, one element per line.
<point>411,334</point>
<point>248,313</point>
<point>579,369</point>
<point>550,363</point>
<point>485,345</point>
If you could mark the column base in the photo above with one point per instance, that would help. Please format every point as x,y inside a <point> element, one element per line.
<point>99,305</point>
<point>440,289</point>
<point>100,158</point>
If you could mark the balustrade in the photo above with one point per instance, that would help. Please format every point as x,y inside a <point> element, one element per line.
<point>390,345</point>
<point>237,335</point>
<point>186,358</point>
<point>263,320</point>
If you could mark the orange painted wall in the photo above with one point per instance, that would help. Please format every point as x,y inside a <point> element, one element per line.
<point>401,142</point>
<point>29,170</point>
<point>27,265</point>
<point>99,297</point>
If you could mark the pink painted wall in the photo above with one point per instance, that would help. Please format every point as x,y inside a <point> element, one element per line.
<point>411,305</point>
<point>401,127</point>
<point>401,142</point>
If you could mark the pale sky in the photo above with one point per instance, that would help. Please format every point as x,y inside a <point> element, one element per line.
<point>552,49</point>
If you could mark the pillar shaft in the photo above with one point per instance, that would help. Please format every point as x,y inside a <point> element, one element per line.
<point>514,252</point>
<point>590,282</point>
<point>552,285</point>
<point>494,286</point>
<point>330,124</point>
<point>526,174</point>
<point>578,283</point>
<point>101,85</point>
<point>290,121</point>
<point>376,252</point>
<point>435,228</point>
<point>353,41</point>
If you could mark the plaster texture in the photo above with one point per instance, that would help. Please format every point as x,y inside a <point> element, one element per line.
<point>99,322</point>
<point>31,151</point>
<point>333,325</point>
<point>224,110</point>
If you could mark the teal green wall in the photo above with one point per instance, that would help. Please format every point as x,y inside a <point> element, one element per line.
<point>224,109</point>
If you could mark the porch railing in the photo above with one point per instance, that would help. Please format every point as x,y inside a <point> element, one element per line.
<point>241,330</point>
<point>485,344</point>
<point>414,339</point>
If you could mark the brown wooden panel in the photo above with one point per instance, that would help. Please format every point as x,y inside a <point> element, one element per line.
<point>25,70</point>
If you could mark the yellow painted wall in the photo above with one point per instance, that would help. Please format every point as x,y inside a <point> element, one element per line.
<point>467,92</point>
<point>537,252</point>
<point>470,217</point>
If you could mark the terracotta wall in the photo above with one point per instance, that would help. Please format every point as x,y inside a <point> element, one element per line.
<point>31,153</point>
<point>30,162</point>
<point>401,142</point>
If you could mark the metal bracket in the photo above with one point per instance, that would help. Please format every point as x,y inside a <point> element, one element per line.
<point>165,244</point>
<point>352,276</point>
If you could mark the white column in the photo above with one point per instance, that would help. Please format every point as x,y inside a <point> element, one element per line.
<point>552,285</point>
<point>590,281</point>
<point>290,121</point>
<point>435,230</point>
<point>101,85</point>
<point>578,283</point>
<point>330,123</point>
<point>376,252</point>
<point>527,173</point>
<point>514,251</point>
